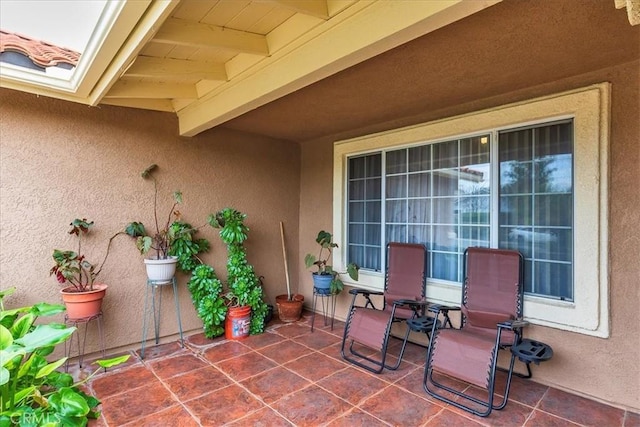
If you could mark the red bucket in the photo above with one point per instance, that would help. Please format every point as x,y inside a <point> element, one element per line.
<point>236,325</point>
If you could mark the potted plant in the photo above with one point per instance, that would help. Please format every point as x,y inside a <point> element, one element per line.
<point>82,294</point>
<point>246,308</point>
<point>32,390</point>
<point>326,280</point>
<point>162,266</point>
<point>175,245</point>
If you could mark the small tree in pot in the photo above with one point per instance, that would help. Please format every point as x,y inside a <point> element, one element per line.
<point>326,279</point>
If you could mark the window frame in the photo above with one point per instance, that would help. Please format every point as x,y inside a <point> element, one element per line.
<point>589,107</point>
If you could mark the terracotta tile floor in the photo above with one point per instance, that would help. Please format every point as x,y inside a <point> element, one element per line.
<point>291,376</point>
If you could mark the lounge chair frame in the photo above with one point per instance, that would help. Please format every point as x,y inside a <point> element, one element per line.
<point>417,307</point>
<point>514,325</point>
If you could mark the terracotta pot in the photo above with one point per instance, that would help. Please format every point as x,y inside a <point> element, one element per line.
<point>289,311</point>
<point>237,322</point>
<point>83,305</point>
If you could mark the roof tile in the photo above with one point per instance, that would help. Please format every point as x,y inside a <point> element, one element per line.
<point>41,53</point>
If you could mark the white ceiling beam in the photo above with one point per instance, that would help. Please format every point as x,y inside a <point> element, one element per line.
<point>358,33</point>
<point>128,89</point>
<point>172,69</point>
<point>135,40</point>
<point>193,34</point>
<point>145,104</point>
<point>316,8</point>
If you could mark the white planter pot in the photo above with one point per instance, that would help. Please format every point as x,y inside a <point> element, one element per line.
<point>161,270</point>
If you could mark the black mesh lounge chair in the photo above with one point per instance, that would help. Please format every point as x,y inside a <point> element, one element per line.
<point>491,320</point>
<point>403,298</point>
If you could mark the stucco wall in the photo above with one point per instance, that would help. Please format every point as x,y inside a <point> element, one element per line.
<point>60,160</point>
<point>605,369</point>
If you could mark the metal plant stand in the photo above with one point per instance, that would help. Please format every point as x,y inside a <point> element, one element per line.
<point>153,307</point>
<point>328,302</point>
<point>81,337</point>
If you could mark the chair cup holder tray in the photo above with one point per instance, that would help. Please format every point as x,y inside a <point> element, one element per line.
<point>422,324</point>
<point>532,351</point>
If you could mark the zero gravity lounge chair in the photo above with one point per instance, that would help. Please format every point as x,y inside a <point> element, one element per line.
<point>403,298</point>
<point>491,309</point>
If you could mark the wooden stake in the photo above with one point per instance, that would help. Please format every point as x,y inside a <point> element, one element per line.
<point>286,264</point>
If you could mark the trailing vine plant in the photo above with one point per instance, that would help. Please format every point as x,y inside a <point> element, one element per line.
<point>244,284</point>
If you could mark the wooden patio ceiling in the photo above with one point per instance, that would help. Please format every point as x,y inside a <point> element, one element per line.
<point>212,61</point>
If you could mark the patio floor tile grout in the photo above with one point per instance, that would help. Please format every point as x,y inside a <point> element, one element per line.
<point>294,407</point>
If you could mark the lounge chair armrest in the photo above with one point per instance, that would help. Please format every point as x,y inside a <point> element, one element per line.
<point>437,308</point>
<point>519,323</point>
<point>513,324</point>
<point>411,302</point>
<point>358,291</point>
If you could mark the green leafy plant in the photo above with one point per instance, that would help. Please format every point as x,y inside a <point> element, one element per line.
<point>204,285</point>
<point>174,237</point>
<point>325,240</point>
<point>161,240</point>
<point>243,283</point>
<point>32,390</point>
<point>72,267</point>
<point>206,290</point>
<point>186,247</point>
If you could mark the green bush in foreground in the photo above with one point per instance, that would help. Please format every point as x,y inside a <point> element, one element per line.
<point>32,390</point>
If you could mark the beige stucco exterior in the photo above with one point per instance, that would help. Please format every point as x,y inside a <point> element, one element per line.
<point>60,160</point>
<point>603,368</point>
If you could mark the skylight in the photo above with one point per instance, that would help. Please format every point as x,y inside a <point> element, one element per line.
<point>43,40</point>
<point>65,23</point>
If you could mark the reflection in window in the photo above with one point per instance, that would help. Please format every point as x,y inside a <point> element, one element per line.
<point>364,211</point>
<point>536,204</point>
<point>435,194</point>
